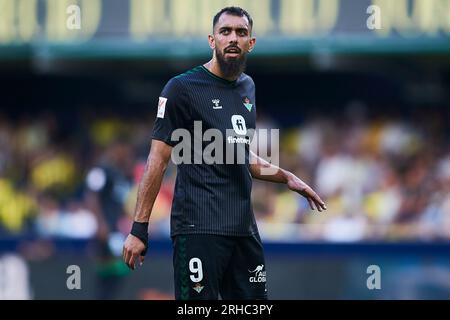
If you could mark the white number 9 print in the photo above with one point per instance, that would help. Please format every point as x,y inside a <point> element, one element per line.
<point>195,266</point>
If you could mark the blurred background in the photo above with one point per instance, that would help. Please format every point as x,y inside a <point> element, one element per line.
<point>361,95</point>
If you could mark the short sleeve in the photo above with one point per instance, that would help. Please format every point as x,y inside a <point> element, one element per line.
<point>173,112</point>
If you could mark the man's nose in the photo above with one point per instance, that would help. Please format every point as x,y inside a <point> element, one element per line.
<point>233,37</point>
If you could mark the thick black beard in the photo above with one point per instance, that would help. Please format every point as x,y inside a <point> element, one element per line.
<point>231,68</point>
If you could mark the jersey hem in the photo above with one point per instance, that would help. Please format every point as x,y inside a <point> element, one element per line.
<point>216,233</point>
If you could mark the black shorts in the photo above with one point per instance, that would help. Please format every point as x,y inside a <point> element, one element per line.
<point>208,265</point>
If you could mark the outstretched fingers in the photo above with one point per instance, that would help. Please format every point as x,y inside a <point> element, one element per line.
<point>320,205</point>
<point>315,200</point>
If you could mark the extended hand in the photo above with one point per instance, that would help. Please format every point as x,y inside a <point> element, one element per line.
<point>132,249</point>
<point>297,185</point>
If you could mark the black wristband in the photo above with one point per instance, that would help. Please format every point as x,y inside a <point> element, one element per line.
<point>140,231</point>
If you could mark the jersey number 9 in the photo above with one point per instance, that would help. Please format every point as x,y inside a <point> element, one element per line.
<point>195,266</point>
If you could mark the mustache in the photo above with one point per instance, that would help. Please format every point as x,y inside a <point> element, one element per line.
<point>227,49</point>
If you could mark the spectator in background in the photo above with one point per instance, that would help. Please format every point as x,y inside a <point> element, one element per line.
<point>108,185</point>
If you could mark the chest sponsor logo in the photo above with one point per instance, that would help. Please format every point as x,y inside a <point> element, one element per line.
<point>238,123</point>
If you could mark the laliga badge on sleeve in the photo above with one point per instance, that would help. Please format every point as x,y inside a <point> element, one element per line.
<point>161,107</point>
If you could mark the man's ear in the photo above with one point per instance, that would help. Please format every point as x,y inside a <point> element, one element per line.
<point>251,44</point>
<point>211,41</point>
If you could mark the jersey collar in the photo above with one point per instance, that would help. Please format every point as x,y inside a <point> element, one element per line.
<point>225,81</point>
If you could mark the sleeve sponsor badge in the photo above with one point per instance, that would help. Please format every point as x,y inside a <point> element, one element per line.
<point>161,107</point>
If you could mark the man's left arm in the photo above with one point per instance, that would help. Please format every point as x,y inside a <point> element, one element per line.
<point>258,168</point>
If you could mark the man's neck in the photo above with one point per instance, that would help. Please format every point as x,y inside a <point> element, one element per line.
<point>213,67</point>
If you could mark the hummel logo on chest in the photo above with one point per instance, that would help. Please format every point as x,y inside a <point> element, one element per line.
<point>216,104</point>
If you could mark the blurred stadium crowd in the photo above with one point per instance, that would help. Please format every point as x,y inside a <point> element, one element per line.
<point>384,178</point>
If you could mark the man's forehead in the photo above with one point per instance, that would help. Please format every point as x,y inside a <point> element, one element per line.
<point>232,21</point>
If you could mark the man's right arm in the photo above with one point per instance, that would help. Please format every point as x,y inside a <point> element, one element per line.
<point>149,186</point>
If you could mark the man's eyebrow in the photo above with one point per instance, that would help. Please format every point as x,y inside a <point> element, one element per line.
<point>240,27</point>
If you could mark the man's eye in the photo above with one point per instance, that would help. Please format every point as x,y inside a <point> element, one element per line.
<point>225,31</point>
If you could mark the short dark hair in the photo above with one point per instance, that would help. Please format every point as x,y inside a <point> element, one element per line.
<point>234,11</point>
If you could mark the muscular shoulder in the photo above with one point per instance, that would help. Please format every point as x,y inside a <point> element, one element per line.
<point>179,84</point>
<point>245,77</point>
<point>247,81</point>
<point>188,76</point>
<point>173,86</point>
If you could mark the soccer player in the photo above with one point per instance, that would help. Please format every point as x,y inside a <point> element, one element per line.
<point>217,248</point>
